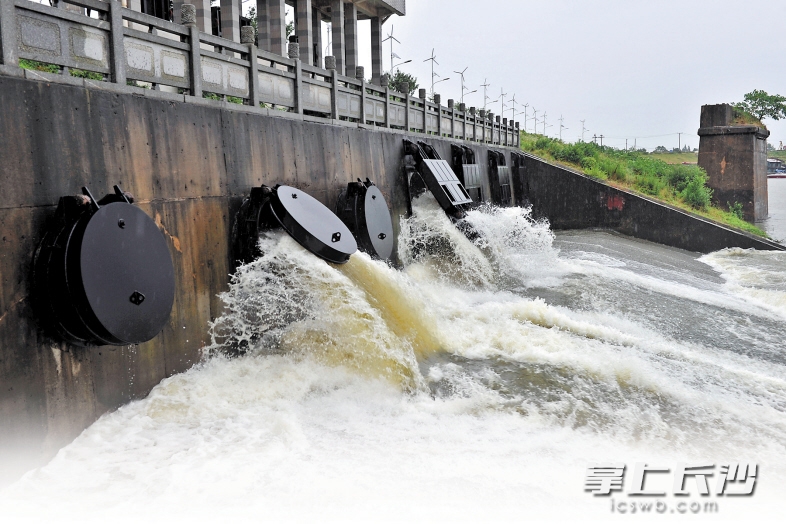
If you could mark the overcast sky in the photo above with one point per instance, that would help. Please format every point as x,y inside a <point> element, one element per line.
<point>629,68</point>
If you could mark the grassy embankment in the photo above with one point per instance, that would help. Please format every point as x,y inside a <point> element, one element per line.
<point>676,158</point>
<point>682,186</point>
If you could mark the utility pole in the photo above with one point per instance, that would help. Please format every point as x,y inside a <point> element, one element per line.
<point>601,140</point>
<point>502,96</point>
<point>485,85</point>
<point>535,116</point>
<point>626,145</point>
<point>525,116</point>
<point>544,123</point>
<point>583,130</point>
<point>679,141</point>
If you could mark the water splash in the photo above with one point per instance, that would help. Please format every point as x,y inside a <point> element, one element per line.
<point>457,388</point>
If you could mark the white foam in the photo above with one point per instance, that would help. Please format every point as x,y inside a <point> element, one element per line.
<point>442,393</point>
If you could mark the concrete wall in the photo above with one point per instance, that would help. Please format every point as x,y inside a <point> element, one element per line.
<point>574,201</point>
<point>189,165</point>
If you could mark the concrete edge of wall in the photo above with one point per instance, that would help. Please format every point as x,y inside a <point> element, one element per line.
<point>53,78</point>
<point>572,200</point>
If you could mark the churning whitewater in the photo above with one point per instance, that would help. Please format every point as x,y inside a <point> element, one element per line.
<point>476,383</point>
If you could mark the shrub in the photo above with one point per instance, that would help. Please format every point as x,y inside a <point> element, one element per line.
<point>615,169</point>
<point>650,184</point>
<point>589,162</point>
<point>696,193</point>
<point>679,176</point>
<point>736,210</point>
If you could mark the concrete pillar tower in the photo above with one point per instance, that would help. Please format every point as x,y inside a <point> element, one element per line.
<point>376,49</point>
<point>316,32</point>
<point>204,23</point>
<point>230,20</point>
<point>337,32</point>
<point>263,25</point>
<point>351,38</point>
<point>303,28</point>
<point>735,158</point>
<point>277,17</point>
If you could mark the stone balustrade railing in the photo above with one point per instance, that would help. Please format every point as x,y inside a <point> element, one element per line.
<point>127,48</point>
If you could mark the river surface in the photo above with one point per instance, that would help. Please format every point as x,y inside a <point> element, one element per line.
<point>775,225</point>
<point>477,384</point>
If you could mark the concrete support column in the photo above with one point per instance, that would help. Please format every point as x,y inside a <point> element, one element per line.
<point>303,28</point>
<point>337,32</point>
<point>203,22</point>
<point>230,20</point>
<point>263,25</point>
<point>176,5</point>
<point>278,26</point>
<point>316,32</point>
<point>351,38</point>
<point>376,49</point>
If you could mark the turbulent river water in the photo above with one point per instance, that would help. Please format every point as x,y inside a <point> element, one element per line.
<point>476,383</point>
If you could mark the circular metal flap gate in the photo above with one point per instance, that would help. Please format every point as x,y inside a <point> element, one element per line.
<point>314,226</point>
<point>104,274</point>
<point>362,207</point>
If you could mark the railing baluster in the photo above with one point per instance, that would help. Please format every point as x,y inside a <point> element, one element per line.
<point>117,56</point>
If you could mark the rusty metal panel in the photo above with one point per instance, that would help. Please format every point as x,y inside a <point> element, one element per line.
<point>152,62</point>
